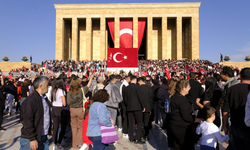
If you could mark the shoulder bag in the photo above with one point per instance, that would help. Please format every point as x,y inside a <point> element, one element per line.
<point>84,99</point>
<point>108,134</point>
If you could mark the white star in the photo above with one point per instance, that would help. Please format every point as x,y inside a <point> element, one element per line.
<point>125,57</point>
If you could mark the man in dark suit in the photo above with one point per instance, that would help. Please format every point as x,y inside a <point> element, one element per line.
<point>146,94</point>
<point>135,107</point>
<point>195,92</point>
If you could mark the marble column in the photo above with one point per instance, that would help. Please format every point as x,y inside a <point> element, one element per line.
<point>103,38</point>
<point>164,38</point>
<point>117,32</point>
<point>149,37</point>
<point>59,38</point>
<point>74,54</point>
<point>195,37</point>
<point>179,37</point>
<point>88,38</point>
<point>135,32</point>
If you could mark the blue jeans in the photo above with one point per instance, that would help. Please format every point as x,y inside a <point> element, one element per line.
<point>97,143</point>
<point>42,145</point>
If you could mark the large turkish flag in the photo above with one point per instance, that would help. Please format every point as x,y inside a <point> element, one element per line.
<point>122,57</point>
<point>126,33</point>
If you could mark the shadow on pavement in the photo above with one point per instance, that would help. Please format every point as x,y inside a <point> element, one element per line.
<point>9,147</point>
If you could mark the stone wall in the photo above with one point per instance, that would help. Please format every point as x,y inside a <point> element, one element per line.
<point>240,65</point>
<point>7,66</point>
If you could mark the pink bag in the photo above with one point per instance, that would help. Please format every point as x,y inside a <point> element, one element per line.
<point>108,134</point>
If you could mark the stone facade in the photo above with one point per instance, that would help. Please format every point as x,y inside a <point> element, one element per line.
<point>172,30</point>
<point>8,66</point>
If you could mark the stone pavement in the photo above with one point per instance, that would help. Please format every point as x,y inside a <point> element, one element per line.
<point>9,139</point>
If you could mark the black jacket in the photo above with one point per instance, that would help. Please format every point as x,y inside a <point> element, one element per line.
<point>194,93</point>
<point>32,117</point>
<point>235,103</point>
<point>132,98</point>
<point>10,89</point>
<point>2,98</point>
<point>155,90</point>
<point>146,94</point>
<point>181,111</point>
<point>160,94</point>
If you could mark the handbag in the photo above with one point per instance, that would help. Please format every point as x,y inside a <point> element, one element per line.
<point>84,99</point>
<point>108,134</point>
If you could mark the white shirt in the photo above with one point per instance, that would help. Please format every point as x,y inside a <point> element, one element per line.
<point>204,87</point>
<point>123,83</point>
<point>57,98</point>
<point>49,93</point>
<point>210,134</point>
<point>21,79</point>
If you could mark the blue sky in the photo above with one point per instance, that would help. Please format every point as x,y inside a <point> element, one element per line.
<point>27,27</point>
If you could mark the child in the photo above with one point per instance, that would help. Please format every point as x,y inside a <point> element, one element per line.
<point>210,132</point>
<point>85,138</point>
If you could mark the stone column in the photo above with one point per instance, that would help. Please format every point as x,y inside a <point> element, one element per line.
<point>103,38</point>
<point>117,32</point>
<point>195,37</point>
<point>74,54</point>
<point>59,38</point>
<point>88,38</point>
<point>135,32</point>
<point>149,37</point>
<point>164,38</point>
<point>179,37</point>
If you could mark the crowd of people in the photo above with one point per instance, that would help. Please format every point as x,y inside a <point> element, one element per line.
<point>181,68</point>
<point>191,100</point>
<point>149,66</point>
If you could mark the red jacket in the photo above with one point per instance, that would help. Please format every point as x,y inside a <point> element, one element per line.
<point>85,138</point>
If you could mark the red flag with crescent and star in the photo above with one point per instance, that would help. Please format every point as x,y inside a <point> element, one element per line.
<point>122,57</point>
<point>126,31</point>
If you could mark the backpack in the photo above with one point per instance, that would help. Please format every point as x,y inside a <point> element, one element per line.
<point>166,99</point>
<point>18,93</point>
<point>166,106</point>
<point>19,90</point>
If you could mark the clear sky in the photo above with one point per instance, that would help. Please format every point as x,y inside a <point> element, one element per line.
<point>27,27</point>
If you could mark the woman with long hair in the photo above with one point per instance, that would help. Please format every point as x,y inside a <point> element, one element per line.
<point>58,101</point>
<point>181,118</point>
<point>168,95</point>
<point>103,117</point>
<point>76,99</point>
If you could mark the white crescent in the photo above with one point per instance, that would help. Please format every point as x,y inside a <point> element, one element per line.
<point>126,30</point>
<point>114,57</point>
